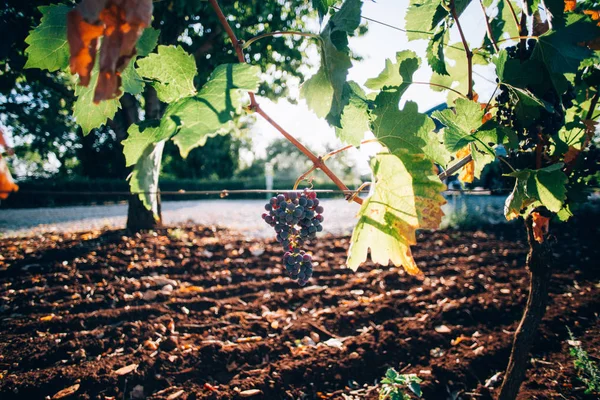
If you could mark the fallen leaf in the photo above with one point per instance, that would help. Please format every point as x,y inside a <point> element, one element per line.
<point>66,392</point>
<point>47,318</point>
<point>126,370</point>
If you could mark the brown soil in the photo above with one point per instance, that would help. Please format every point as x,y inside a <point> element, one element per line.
<point>76,308</point>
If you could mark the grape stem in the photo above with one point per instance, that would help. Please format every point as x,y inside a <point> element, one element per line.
<point>341,149</point>
<point>254,106</point>
<point>303,176</point>
<point>440,86</point>
<point>468,52</point>
<point>488,27</point>
<point>514,15</point>
<point>354,195</point>
<point>248,42</point>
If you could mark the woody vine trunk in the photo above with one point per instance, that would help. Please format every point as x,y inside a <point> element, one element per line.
<point>540,271</point>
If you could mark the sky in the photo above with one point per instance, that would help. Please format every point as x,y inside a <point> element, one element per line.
<point>378,44</point>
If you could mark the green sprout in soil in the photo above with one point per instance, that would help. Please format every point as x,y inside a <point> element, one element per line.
<point>394,385</point>
<point>587,369</point>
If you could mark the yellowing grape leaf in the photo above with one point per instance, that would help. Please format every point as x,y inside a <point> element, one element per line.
<point>467,174</point>
<point>406,197</point>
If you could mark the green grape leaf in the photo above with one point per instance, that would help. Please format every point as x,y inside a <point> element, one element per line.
<point>89,115</point>
<point>406,197</point>
<point>147,42</point>
<point>423,16</point>
<point>142,135</point>
<point>322,6</point>
<point>355,119</point>
<point>457,77</point>
<point>503,24</point>
<point>408,129</point>
<point>324,91</point>
<point>397,74</point>
<point>464,127</point>
<point>48,47</point>
<point>318,93</point>
<point>460,123</point>
<point>435,50</point>
<point>512,72</point>
<point>528,107</point>
<point>132,81</point>
<point>560,49</point>
<point>482,156</point>
<point>172,70</point>
<point>533,188</point>
<point>210,112</point>
<point>144,177</point>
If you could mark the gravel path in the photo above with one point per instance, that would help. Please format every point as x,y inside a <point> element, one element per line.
<point>239,215</point>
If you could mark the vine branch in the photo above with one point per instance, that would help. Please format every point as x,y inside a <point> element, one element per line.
<point>514,15</point>
<point>248,42</point>
<point>317,161</point>
<point>467,50</point>
<point>488,27</point>
<point>440,86</point>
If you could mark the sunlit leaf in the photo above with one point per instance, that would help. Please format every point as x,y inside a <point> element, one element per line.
<point>47,43</point>
<point>172,71</point>
<point>406,197</point>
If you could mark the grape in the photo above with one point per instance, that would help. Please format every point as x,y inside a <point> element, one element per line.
<point>296,217</point>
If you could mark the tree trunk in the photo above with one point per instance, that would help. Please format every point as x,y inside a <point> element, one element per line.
<point>540,270</point>
<point>138,216</point>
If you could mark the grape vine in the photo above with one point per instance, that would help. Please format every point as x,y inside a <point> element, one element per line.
<point>541,124</point>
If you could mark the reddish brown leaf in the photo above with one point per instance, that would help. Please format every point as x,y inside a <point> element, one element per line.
<point>121,23</point>
<point>83,40</point>
<point>540,225</point>
<point>594,15</point>
<point>570,5</point>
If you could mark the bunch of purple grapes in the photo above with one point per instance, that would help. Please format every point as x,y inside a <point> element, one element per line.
<point>296,218</point>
